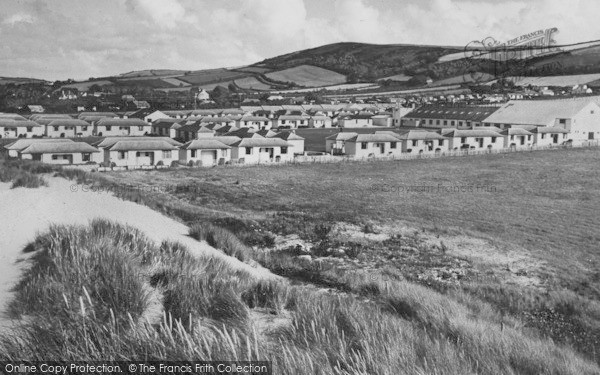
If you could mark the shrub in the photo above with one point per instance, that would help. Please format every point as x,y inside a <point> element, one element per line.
<point>28,180</point>
<point>221,239</point>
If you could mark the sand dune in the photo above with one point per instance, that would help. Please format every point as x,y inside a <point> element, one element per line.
<point>26,212</point>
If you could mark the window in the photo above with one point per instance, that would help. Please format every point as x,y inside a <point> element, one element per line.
<point>84,128</point>
<point>512,137</point>
<point>122,154</point>
<point>193,153</point>
<point>430,122</point>
<point>284,150</point>
<point>108,128</point>
<point>140,128</point>
<point>29,129</point>
<point>393,145</point>
<point>445,122</point>
<point>463,140</point>
<point>85,156</point>
<point>460,123</point>
<point>248,150</point>
<point>437,122</point>
<point>493,139</point>
<point>167,154</point>
<point>56,128</point>
<point>54,157</point>
<point>544,136</point>
<point>440,142</point>
<point>452,123</point>
<point>363,145</point>
<point>562,121</point>
<point>529,138</point>
<point>415,142</point>
<point>468,123</point>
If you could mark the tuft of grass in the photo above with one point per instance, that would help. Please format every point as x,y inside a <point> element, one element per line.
<point>221,239</point>
<point>28,180</point>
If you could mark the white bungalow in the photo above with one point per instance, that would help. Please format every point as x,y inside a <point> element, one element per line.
<point>296,142</point>
<point>138,153</point>
<point>320,121</point>
<point>292,121</point>
<point>20,129</point>
<point>335,144</point>
<point>204,152</point>
<point>254,122</point>
<point>17,146</point>
<point>549,135</point>
<point>479,139</point>
<point>373,145</point>
<point>166,127</point>
<point>68,128</point>
<point>423,142</point>
<point>122,127</point>
<point>61,153</point>
<point>258,150</point>
<point>129,157</point>
<point>517,138</point>
<point>356,121</point>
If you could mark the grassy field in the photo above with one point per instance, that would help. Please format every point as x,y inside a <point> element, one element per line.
<point>308,75</point>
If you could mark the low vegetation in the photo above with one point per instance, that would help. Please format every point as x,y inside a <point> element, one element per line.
<point>23,173</point>
<point>149,302</point>
<point>394,258</point>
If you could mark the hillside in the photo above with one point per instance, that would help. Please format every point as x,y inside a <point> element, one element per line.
<point>341,63</point>
<point>363,61</point>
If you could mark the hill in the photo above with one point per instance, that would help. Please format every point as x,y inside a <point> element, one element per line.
<point>402,65</point>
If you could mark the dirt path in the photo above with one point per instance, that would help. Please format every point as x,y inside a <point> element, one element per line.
<point>25,212</point>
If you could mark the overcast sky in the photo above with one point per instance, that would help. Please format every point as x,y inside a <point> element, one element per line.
<point>60,39</point>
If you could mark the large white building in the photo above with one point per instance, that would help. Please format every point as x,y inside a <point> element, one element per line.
<point>579,116</point>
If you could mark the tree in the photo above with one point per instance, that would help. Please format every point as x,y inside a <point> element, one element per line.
<point>220,95</point>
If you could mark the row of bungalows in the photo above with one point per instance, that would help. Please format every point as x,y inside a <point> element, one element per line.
<point>421,141</point>
<point>245,146</point>
<point>20,128</point>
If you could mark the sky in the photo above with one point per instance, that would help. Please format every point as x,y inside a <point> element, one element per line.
<point>78,39</point>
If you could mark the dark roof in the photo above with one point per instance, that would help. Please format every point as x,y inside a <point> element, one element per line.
<point>122,122</point>
<point>464,113</point>
<point>478,132</point>
<point>288,136</point>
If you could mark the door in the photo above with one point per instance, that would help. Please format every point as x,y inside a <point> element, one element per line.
<point>591,136</point>
<point>554,138</point>
<point>208,157</point>
<point>480,142</point>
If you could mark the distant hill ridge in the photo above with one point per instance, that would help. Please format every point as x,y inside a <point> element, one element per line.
<point>352,62</point>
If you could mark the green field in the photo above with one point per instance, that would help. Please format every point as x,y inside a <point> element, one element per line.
<point>308,75</point>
